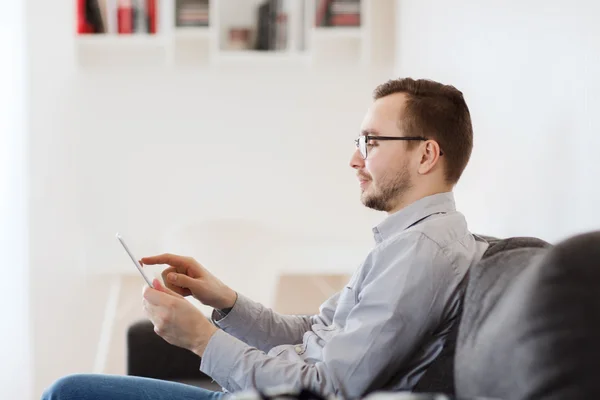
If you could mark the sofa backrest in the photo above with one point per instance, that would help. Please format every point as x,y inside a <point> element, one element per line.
<point>530,327</point>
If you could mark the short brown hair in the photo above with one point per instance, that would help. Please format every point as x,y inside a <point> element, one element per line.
<point>439,112</point>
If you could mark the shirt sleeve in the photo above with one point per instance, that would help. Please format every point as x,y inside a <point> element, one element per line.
<point>263,328</point>
<point>401,300</point>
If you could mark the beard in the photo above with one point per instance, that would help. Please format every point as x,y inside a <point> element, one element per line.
<point>386,194</point>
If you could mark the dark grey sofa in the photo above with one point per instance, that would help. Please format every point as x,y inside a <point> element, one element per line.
<point>529,328</point>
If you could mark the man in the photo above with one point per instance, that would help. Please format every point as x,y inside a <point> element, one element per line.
<point>387,325</point>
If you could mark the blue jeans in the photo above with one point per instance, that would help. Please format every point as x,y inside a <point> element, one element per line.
<point>116,387</point>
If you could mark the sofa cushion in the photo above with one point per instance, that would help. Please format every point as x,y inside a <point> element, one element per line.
<point>439,377</point>
<point>530,327</point>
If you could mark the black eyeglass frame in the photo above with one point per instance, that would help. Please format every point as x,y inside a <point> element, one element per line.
<point>370,137</point>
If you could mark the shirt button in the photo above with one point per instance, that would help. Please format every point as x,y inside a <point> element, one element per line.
<point>298,349</point>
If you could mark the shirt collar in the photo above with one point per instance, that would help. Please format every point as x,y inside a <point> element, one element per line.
<point>414,213</point>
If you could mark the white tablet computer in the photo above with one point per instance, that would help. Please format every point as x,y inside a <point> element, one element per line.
<point>135,261</point>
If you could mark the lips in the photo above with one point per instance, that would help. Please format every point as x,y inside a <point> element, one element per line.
<point>362,179</point>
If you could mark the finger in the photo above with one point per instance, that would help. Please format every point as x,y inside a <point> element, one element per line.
<point>169,285</point>
<point>170,259</point>
<point>159,286</point>
<point>181,280</point>
<point>154,318</point>
<point>149,310</point>
<point>166,272</point>
<point>157,297</point>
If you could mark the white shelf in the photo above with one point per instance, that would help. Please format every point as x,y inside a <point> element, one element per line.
<point>111,50</point>
<point>250,56</point>
<point>110,40</point>
<point>339,32</point>
<point>192,33</point>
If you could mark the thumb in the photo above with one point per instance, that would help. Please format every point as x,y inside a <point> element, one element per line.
<point>159,286</point>
<point>182,280</point>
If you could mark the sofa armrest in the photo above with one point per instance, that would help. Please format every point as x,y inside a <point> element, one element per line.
<point>150,356</point>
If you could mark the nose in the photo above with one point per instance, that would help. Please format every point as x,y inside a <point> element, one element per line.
<point>357,161</point>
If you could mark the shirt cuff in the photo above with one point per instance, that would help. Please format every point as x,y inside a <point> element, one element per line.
<point>220,356</point>
<point>241,319</point>
<point>223,313</point>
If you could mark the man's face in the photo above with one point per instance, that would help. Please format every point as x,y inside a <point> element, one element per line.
<point>385,176</point>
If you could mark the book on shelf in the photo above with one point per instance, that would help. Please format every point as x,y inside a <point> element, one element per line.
<point>272,26</point>
<point>332,13</point>
<point>89,18</point>
<point>192,13</point>
<point>117,16</point>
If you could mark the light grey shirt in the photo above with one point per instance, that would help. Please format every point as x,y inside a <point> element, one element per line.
<point>380,332</point>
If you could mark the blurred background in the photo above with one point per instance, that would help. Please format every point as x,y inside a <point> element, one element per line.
<point>223,129</point>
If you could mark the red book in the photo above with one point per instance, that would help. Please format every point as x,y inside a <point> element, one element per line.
<point>345,20</point>
<point>151,7</point>
<point>125,16</point>
<point>83,26</point>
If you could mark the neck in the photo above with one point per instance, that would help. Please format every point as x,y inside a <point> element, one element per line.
<point>415,195</point>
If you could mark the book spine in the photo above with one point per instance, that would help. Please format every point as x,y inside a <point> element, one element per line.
<point>273,24</point>
<point>83,26</point>
<point>103,14</point>
<point>345,8</point>
<point>345,20</point>
<point>282,27</point>
<point>94,16</point>
<point>152,15</point>
<point>140,17</point>
<point>111,17</point>
<point>125,17</point>
<point>263,28</point>
<point>322,11</point>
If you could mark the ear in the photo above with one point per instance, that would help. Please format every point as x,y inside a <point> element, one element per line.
<point>430,156</point>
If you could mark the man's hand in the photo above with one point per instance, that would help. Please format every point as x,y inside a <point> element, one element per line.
<point>185,276</point>
<point>177,320</point>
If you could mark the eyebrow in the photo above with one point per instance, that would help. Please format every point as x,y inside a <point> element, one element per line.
<point>369,132</point>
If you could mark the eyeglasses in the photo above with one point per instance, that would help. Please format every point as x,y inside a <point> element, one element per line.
<point>361,141</point>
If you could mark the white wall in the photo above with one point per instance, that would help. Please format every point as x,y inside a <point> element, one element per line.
<point>15,333</point>
<point>528,70</point>
<point>150,151</point>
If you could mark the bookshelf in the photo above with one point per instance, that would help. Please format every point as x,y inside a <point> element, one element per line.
<point>341,33</point>
<point>192,33</point>
<point>213,32</point>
